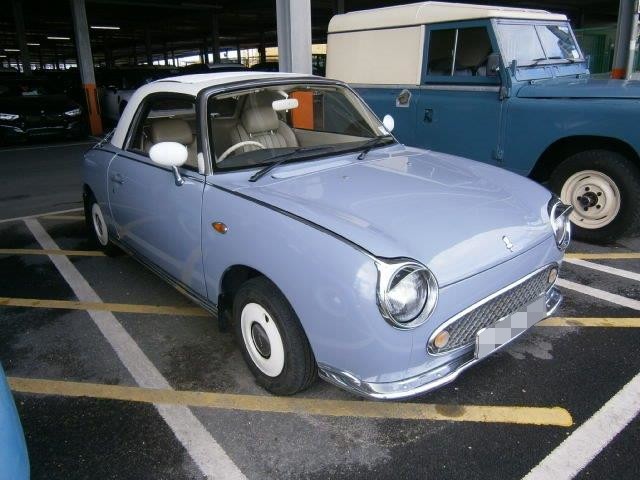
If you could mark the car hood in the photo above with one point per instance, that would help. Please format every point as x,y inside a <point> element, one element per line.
<point>582,88</point>
<point>447,212</point>
<point>36,104</point>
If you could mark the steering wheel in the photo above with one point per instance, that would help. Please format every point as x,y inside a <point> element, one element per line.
<point>238,145</point>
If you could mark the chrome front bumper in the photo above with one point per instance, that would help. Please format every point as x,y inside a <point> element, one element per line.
<point>426,381</point>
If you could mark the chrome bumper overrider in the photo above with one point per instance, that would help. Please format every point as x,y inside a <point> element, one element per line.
<point>424,382</point>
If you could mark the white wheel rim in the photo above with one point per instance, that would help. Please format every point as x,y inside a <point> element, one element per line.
<point>252,313</point>
<point>99,225</point>
<point>595,198</point>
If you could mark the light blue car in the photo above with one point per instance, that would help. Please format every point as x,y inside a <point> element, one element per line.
<point>14,462</point>
<point>283,203</point>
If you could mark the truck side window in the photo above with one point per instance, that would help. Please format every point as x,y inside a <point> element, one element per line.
<point>460,52</point>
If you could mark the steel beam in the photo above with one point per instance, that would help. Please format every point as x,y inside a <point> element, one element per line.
<point>294,35</point>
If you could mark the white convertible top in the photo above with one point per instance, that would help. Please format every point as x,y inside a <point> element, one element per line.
<point>431,12</point>
<point>189,85</point>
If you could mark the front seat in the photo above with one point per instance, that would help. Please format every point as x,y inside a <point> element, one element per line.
<point>175,130</point>
<point>260,123</point>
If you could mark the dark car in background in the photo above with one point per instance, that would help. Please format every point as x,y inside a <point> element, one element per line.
<point>30,110</point>
<point>212,68</point>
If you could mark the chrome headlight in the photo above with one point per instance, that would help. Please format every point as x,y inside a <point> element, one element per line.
<point>560,223</point>
<point>407,292</point>
<point>73,113</point>
<point>8,116</point>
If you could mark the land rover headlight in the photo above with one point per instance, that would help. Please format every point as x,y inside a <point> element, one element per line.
<point>9,116</point>
<point>560,223</point>
<point>407,292</point>
<point>72,113</point>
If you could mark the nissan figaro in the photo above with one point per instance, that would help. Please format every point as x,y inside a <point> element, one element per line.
<point>282,203</point>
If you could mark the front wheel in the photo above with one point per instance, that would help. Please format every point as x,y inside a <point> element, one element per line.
<point>604,189</point>
<point>97,226</point>
<point>272,340</point>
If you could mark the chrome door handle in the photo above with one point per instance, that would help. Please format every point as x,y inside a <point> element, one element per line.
<point>117,178</point>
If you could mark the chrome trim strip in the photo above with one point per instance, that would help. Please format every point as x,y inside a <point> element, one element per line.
<point>424,382</point>
<point>465,88</point>
<point>485,300</point>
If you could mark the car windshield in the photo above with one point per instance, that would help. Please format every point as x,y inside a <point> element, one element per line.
<point>531,45</point>
<point>278,123</point>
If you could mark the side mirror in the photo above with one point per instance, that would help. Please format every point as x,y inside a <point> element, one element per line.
<point>170,154</point>
<point>388,123</point>
<point>493,65</point>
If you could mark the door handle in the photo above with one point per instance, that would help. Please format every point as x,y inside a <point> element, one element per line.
<point>117,178</point>
<point>428,115</point>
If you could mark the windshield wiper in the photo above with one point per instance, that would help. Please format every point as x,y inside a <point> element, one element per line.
<point>283,158</point>
<point>536,61</point>
<point>370,144</point>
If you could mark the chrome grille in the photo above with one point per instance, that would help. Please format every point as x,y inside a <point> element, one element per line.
<point>462,331</point>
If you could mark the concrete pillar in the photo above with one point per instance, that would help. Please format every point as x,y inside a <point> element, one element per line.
<point>238,53</point>
<point>215,39</point>
<point>147,46</point>
<point>56,63</point>
<point>338,7</point>
<point>262,49</point>
<point>85,64</point>
<point>626,36</point>
<point>294,35</point>
<point>166,53</point>
<point>205,51</point>
<point>22,39</point>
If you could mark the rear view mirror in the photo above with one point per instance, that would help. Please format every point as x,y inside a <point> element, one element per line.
<point>170,154</point>
<point>389,123</point>
<point>493,65</point>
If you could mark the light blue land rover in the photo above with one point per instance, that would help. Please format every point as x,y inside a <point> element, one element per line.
<point>505,86</point>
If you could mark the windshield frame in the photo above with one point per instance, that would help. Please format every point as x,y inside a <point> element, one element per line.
<point>206,94</point>
<point>536,24</point>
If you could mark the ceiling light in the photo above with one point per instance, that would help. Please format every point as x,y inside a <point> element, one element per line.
<point>11,50</point>
<point>58,38</point>
<point>33,44</point>
<point>104,27</point>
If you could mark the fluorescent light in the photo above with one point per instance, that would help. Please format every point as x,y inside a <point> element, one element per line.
<point>33,44</point>
<point>58,38</point>
<point>104,27</point>
<point>11,50</point>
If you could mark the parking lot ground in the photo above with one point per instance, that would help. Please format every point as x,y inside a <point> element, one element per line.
<point>118,375</point>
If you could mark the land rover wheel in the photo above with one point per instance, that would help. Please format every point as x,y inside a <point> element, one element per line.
<point>97,227</point>
<point>604,189</point>
<point>272,340</point>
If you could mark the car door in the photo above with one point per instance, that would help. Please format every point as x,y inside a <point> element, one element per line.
<point>460,108</point>
<point>154,216</point>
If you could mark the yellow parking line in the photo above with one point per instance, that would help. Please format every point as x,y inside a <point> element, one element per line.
<point>108,307</point>
<point>38,251</point>
<point>633,322</point>
<point>62,217</point>
<point>556,416</point>
<point>604,256</point>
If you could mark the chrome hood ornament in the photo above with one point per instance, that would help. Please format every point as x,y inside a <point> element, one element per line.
<point>508,243</point>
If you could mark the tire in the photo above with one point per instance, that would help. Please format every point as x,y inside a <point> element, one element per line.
<point>604,189</point>
<point>97,230</point>
<point>271,338</point>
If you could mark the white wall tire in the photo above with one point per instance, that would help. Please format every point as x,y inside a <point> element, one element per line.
<point>262,339</point>
<point>282,361</point>
<point>99,225</point>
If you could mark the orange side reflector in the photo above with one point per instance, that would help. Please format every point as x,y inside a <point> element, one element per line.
<point>302,117</point>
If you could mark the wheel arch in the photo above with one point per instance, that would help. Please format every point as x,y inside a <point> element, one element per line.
<point>567,146</point>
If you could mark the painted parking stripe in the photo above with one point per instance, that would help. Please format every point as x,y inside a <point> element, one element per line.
<point>555,416</point>
<point>600,322</point>
<point>49,251</point>
<point>603,256</point>
<point>211,459</point>
<point>104,307</point>
<point>604,268</point>
<point>15,219</point>
<point>601,294</point>
<point>588,440</point>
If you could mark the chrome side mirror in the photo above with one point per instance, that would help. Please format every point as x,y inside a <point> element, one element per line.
<point>388,122</point>
<point>170,154</point>
<point>493,65</point>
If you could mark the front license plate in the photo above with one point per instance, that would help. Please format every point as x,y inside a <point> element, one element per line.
<point>503,331</point>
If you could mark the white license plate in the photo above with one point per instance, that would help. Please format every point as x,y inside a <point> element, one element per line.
<point>503,331</point>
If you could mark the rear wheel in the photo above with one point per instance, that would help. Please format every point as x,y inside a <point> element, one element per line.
<point>272,340</point>
<point>97,226</point>
<point>604,189</point>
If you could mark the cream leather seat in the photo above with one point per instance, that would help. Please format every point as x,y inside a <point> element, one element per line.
<point>175,130</point>
<point>260,123</point>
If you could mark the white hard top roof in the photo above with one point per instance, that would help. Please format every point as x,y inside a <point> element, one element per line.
<point>431,12</point>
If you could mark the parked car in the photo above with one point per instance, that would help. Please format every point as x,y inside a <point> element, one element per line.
<point>505,86</point>
<point>283,201</point>
<point>14,461</point>
<point>29,110</point>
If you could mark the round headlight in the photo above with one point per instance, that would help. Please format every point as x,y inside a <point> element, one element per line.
<point>560,223</point>
<point>407,293</point>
